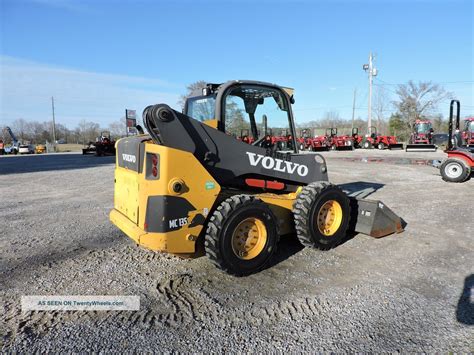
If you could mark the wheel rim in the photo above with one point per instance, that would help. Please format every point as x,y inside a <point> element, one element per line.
<point>453,170</point>
<point>249,238</point>
<point>329,218</point>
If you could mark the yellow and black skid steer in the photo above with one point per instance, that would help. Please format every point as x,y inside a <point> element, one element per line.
<point>190,182</point>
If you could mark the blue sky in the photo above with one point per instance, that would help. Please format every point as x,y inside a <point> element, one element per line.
<point>99,57</point>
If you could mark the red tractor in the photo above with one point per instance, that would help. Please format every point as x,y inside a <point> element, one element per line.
<point>375,139</point>
<point>460,163</point>
<point>336,142</point>
<point>102,146</point>
<point>356,138</point>
<point>308,142</point>
<point>304,140</point>
<point>319,143</point>
<point>284,140</point>
<point>246,137</point>
<point>468,132</point>
<point>421,139</point>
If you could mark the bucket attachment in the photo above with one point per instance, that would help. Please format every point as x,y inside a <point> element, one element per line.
<point>421,148</point>
<point>374,218</point>
<point>395,146</point>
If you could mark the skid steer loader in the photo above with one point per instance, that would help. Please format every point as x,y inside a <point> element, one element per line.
<point>191,183</point>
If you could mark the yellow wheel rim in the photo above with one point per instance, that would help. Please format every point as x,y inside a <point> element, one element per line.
<point>329,218</point>
<point>249,238</point>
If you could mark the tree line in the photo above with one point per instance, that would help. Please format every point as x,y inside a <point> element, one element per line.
<point>35,132</point>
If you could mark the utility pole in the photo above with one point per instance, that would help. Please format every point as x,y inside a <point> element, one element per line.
<point>369,68</point>
<point>54,124</point>
<point>353,108</point>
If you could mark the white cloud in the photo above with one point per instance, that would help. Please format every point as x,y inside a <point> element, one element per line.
<point>26,88</point>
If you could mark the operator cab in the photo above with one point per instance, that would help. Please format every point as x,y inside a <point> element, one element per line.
<point>423,127</point>
<point>256,108</point>
<point>469,125</point>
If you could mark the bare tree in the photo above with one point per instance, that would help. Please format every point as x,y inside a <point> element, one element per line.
<point>118,128</point>
<point>21,129</point>
<point>416,100</point>
<point>331,119</point>
<point>192,89</point>
<point>88,131</point>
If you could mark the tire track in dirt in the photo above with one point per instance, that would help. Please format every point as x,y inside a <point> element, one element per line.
<point>175,301</point>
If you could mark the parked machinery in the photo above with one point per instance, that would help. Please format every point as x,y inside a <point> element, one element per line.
<point>245,136</point>
<point>40,149</point>
<point>375,139</point>
<point>421,139</point>
<point>189,184</point>
<point>15,146</point>
<point>103,145</point>
<point>356,138</point>
<point>315,143</point>
<point>304,139</point>
<point>336,142</point>
<point>459,165</point>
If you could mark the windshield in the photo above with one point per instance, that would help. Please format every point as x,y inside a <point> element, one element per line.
<point>265,108</point>
<point>201,108</point>
<point>423,127</point>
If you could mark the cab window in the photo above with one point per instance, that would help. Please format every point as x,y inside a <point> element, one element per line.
<point>201,108</point>
<point>257,112</point>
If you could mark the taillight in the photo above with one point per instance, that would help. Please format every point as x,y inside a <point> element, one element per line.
<point>152,166</point>
<point>154,162</point>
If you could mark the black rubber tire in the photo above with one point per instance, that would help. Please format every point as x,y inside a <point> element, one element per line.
<point>302,147</point>
<point>219,231</point>
<point>310,200</point>
<point>367,145</point>
<point>381,146</point>
<point>463,176</point>
<point>333,147</point>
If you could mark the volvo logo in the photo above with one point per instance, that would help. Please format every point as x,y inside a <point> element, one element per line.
<point>130,158</point>
<point>270,163</point>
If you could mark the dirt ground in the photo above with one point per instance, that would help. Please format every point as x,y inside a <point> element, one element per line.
<point>411,292</point>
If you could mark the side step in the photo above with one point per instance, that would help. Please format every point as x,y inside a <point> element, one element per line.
<point>374,218</point>
<point>421,148</point>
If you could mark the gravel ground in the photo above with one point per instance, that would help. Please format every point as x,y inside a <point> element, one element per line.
<point>408,292</point>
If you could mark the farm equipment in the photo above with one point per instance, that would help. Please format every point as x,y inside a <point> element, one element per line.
<point>207,192</point>
<point>421,139</point>
<point>356,138</point>
<point>460,163</point>
<point>284,140</point>
<point>102,146</point>
<point>336,142</point>
<point>381,142</point>
<point>246,137</point>
<point>304,139</point>
<point>468,132</point>
<point>313,143</point>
